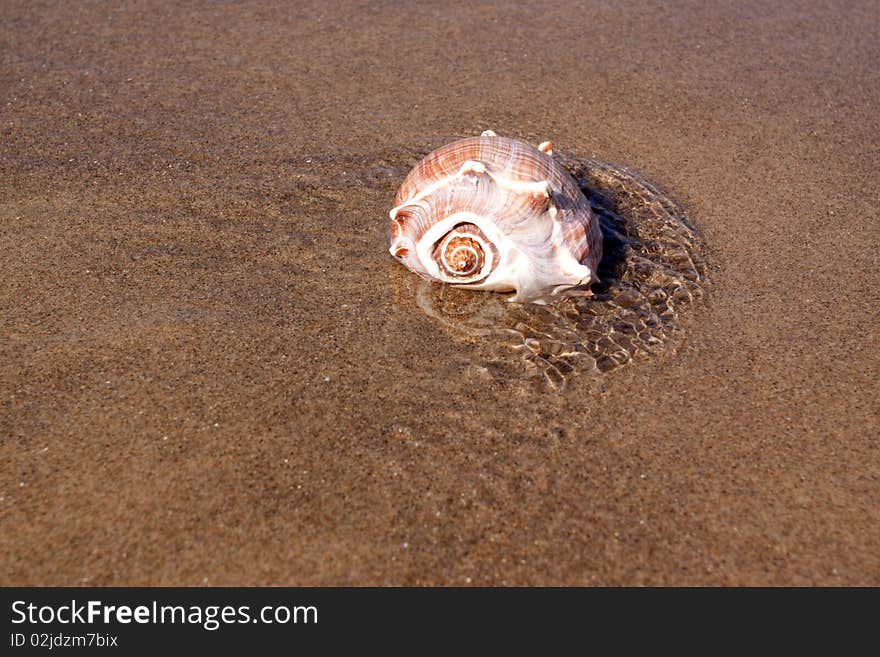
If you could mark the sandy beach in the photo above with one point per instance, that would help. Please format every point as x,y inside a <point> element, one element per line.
<point>213,372</point>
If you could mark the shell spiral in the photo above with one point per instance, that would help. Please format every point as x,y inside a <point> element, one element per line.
<point>493,213</point>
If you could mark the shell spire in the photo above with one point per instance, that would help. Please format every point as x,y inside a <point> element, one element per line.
<point>493,213</point>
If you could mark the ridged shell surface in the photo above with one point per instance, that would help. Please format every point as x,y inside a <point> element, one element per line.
<point>497,214</point>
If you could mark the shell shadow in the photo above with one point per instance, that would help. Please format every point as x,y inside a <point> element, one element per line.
<point>614,241</point>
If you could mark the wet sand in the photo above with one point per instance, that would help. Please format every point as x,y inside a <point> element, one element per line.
<point>211,370</point>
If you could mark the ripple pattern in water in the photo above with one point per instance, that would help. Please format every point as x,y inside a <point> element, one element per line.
<point>651,273</point>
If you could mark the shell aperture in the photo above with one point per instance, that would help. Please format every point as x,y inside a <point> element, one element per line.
<point>493,213</point>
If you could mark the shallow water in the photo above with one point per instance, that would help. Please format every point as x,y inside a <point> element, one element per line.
<point>651,273</point>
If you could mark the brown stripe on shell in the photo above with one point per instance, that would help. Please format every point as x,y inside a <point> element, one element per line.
<point>411,221</point>
<point>478,194</point>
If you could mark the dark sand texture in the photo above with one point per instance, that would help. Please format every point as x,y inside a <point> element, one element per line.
<point>211,370</point>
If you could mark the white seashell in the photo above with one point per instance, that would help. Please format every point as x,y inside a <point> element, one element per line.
<point>492,213</point>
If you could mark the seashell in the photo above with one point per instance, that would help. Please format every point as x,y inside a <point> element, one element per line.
<point>492,213</point>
